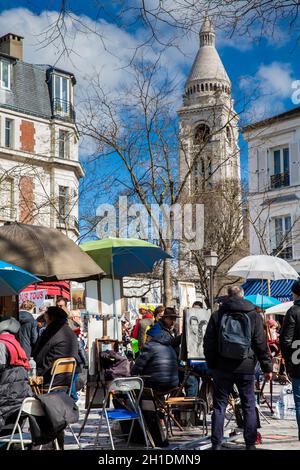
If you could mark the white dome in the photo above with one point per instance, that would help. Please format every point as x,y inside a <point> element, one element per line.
<point>208,66</point>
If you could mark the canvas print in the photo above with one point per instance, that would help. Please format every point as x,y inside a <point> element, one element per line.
<point>196,320</point>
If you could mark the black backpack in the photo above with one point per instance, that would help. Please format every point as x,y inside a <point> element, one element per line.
<point>235,336</point>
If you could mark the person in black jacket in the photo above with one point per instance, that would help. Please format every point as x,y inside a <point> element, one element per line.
<point>28,334</point>
<point>290,346</point>
<point>158,358</point>
<point>14,366</point>
<point>57,341</point>
<point>226,371</point>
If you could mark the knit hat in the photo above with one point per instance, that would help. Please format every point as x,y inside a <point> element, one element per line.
<point>9,324</point>
<point>271,323</point>
<point>296,287</point>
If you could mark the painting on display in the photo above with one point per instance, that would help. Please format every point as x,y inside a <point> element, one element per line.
<point>196,321</point>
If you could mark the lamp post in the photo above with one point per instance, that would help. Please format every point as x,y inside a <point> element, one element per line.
<point>211,260</point>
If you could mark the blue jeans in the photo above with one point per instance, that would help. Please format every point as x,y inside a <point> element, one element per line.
<point>192,383</point>
<point>73,390</point>
<point>296,392</point>
<point>223,383</point>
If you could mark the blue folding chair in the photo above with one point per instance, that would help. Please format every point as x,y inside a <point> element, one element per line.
<point>130,388</point>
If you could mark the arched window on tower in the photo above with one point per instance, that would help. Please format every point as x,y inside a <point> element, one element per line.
<point>202,134</point>
<point>202,167</point>
<point>229,135</point>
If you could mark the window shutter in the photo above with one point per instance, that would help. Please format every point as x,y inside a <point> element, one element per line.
<point>295,236</point>
<point>262,169</point>
<point>272,236</point>
<point>252,171</point>
<point>294,164</point>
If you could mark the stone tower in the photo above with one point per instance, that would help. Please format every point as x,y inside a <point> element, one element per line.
<point>208,123</point>
<point>209,157</point>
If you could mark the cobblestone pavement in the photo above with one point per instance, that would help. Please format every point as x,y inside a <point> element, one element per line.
<point>276,434</point>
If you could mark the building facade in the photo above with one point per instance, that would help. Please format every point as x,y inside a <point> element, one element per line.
<point>39,167</point>
<point>274,186</point>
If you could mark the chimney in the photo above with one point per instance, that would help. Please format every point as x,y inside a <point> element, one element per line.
<point>12,45</point>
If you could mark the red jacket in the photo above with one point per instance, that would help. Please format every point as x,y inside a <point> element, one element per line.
<point>16,352</point>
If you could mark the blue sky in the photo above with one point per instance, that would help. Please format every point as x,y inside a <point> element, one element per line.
<point>269,65</point>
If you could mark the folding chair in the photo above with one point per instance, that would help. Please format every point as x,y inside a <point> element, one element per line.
<point>131,388</point>
<point>65,365</point>
<point>30,407</point>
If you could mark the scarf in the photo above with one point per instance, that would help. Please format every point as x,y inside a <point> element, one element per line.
<point>16,352</point>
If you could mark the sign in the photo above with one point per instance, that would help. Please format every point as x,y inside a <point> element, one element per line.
<point>36,296</point>
<point>78,298</point>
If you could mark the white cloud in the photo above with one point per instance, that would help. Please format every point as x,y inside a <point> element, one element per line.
<point>267,90</point>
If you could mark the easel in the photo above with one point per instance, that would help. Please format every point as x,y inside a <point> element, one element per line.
<point>102,344</point>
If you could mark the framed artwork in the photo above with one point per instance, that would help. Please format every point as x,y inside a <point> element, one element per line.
<point>196,321</point>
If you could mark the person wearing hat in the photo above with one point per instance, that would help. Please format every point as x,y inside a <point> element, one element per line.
<point>14,367</point>
<point>290,346</point>
<point>158,359</point>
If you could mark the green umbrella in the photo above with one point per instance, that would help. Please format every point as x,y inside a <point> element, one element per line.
<point>123,256</point>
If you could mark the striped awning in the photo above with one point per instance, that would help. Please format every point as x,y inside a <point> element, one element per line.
<point>281,290</point>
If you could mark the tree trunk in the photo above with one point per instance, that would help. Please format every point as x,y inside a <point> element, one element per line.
<point>167,278</point>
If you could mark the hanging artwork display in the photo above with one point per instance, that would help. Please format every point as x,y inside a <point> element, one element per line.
<point>195,324</point>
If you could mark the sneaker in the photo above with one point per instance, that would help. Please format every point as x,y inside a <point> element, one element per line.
<point>251,447</point>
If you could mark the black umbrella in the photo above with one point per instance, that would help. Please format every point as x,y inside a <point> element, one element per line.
<point>46,252</point>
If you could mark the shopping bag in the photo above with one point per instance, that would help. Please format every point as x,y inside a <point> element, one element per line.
<point>285,406</point>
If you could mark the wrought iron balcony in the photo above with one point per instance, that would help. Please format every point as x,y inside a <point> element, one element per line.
<point>8,213</point>
<point>67,222</point>
<point>284,253</point>
<point>63,109</point>
<point>280,180</point>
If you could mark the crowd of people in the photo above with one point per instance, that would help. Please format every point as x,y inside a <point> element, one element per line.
<point>236,342</point>
<point>31,346</point>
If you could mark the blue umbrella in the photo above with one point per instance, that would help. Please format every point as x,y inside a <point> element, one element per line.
<point>13,279</point>
<point>262,301</point>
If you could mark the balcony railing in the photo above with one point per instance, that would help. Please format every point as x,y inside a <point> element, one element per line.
<point>284,253</point>
<point>280,180</point>
<point>68,222</point>
<point>63,109</point>
<point>8,213</point>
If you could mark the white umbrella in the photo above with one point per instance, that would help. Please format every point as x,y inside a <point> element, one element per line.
<point>279,309</point>
<point>263,267</point>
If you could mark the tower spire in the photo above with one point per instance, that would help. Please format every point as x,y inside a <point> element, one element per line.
<point>207,32</point>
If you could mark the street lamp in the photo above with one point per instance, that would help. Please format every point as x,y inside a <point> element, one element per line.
<point>211,261</point>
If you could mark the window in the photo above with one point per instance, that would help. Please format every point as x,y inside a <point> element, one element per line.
<point>283,237</point>
<point>61,94</point>
<point>229,135</point>
<point>281,174</point>
<point>8,133</point>
<point>63,202</point>
<point>63,144</point>
<point>5,74</point>
<point>7,211</point>
<point>202,134</point>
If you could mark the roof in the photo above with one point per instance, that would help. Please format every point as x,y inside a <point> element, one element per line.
<point>281,290</point>
<point>292,113</point>
<point>208,66</point>
<point>30,93</point>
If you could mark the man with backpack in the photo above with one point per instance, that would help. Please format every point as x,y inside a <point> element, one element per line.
<point>233,343</point>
